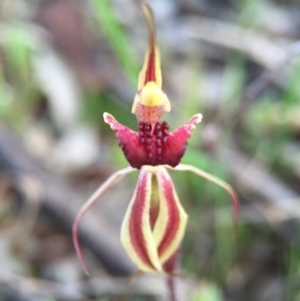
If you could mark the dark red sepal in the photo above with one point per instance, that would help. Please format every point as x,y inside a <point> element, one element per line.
<point>152,146</point>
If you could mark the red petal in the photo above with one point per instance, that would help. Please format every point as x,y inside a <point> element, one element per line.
<point>152,146</point>
<point>177,141</point>
<point>133,150</point>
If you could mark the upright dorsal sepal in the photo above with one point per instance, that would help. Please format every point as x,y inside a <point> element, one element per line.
<point>151,71</point>
<point>150,101</point>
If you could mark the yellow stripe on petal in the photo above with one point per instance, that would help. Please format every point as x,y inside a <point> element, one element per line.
<point>151,71</point>
<point>136,233</point>
<point>171,222</point>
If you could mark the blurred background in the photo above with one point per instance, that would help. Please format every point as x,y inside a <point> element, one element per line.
<point>65,62</point>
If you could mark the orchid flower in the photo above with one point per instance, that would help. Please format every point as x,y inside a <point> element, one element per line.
<point>155,221</point>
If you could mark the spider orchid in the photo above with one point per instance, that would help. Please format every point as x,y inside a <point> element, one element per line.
<point>155,221</point>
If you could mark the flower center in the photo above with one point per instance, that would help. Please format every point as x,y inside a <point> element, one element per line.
<point>154,140</point>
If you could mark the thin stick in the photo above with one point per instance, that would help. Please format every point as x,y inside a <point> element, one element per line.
<point>112,180</point>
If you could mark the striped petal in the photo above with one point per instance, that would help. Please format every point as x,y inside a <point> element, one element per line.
<point>150,101</point>
<point>136,232</point>
<point>151,71</point>
<point>155,221</point>
<point>171,222</point>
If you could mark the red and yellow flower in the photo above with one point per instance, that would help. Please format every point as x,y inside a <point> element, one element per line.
<point>155,221</point>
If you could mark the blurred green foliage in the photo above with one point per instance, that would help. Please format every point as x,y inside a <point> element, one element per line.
<point>18,92</point>
<point>267,128</point>
<point>207,292</point>
<point>117,37</point>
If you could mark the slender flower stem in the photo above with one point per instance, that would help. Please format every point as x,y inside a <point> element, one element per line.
<point>171,287</point>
